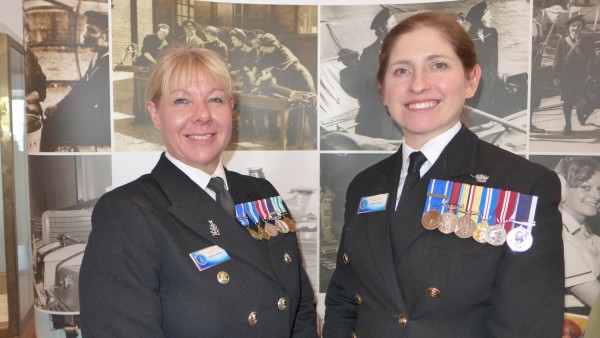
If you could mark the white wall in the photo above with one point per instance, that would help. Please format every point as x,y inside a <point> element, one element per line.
<point>11,19</point>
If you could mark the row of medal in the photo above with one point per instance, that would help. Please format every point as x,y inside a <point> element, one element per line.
<point>273,214</point>
<point>488,215</point>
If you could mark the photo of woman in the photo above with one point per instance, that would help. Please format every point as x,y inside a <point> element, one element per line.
<point>581,195</point>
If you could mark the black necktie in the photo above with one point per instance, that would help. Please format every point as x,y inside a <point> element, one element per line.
<point>416,160</point>
<point>217,185</point>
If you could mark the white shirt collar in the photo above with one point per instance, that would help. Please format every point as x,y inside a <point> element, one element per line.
<point>198,176</point>
<point>570,223</point>
<point>432,149</point>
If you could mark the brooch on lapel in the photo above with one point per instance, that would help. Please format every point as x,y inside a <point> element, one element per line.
<point>480,178</point>
<point>214,230</point>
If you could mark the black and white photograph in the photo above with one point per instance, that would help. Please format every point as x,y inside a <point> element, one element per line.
<point>352,116</point>
<point>565,81</point>
<point>271,51</point>
<point>337,170</point>
<point>63,192</point>
<point>68,97</point>
<point>580,180</point>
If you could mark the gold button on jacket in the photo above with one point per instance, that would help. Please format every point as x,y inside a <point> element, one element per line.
<point>223,277</point>
<point>287,258</point>
<point>433,292</point>
<point>282,303</point>
<point>253,318</point>
<point>402,320</point>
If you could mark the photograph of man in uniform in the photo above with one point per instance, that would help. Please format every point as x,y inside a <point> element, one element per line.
<point>373,119</point>
<point>190,38</point>
<point>81,120</point>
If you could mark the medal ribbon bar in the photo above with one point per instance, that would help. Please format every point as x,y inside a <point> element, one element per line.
<point>240,215</point>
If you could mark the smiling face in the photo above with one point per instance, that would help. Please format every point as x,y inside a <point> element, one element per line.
<point>194,119</point>
<point>425,85</point>
<point>584,199</point>
<point>575,29</point>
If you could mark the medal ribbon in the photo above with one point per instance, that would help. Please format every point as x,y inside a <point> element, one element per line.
<point>252,212</point>
<point>454,194</point>
<point>525,211</point>
<point>447,191</point>
<point>505,207</point>
<point>465,194</point>
<point>474,202</point>
<point>491,200</point>
<point>261,206</point>
<point>270,208</point>
<point>278,202</point>
<point>240,215</point>
<point>435,195</point>
<point>429,195</point>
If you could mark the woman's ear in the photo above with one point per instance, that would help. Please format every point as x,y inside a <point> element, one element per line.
<point>473,81</point>
<point>152,109</point>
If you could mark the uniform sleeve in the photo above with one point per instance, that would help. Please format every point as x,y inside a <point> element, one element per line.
<point>119,281</point>
<point>528,295</point>
<point>340,305</point>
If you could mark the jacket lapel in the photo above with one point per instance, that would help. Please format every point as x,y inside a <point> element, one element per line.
<point>378,232</point>
<point>195,209</point>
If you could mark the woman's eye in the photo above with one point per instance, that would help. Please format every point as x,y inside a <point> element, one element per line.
<point>215,100</point>
<point>440,65</point>
<point>400,71</point>
<point>180,100</point>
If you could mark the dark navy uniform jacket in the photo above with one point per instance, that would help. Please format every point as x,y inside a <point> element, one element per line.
<point>138,280</point>
<point>442,285</point>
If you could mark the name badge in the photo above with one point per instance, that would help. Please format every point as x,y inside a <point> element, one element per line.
<point>209,257</point>
<point>372,203</point>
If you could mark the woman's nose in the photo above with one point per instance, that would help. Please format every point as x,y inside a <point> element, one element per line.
<point>419,83</point>
<point>201,113</point>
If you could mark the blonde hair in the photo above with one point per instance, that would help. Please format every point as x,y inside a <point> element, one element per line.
<point>180,64</point>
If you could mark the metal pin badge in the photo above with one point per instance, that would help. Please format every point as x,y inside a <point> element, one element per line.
<point>214,230</point>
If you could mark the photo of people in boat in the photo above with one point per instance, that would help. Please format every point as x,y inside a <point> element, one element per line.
<point>271,51</point>
<point>352,116</point>
<point>565,79</point>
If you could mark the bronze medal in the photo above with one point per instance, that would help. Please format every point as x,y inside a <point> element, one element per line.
<point>290,223</point>
<point>466,227</point>
<point>479,234</point>
<point>449,222</point>
<point>254,234</point>
<point>431,220</point>
<point>282,226</point>
<point>262,232</point>
<point>271,229</point>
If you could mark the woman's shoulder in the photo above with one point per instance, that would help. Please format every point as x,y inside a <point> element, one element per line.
<point>140,191</point>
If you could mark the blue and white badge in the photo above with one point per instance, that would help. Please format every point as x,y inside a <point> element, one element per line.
<point>209,257</point>
<point>372,203</point>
